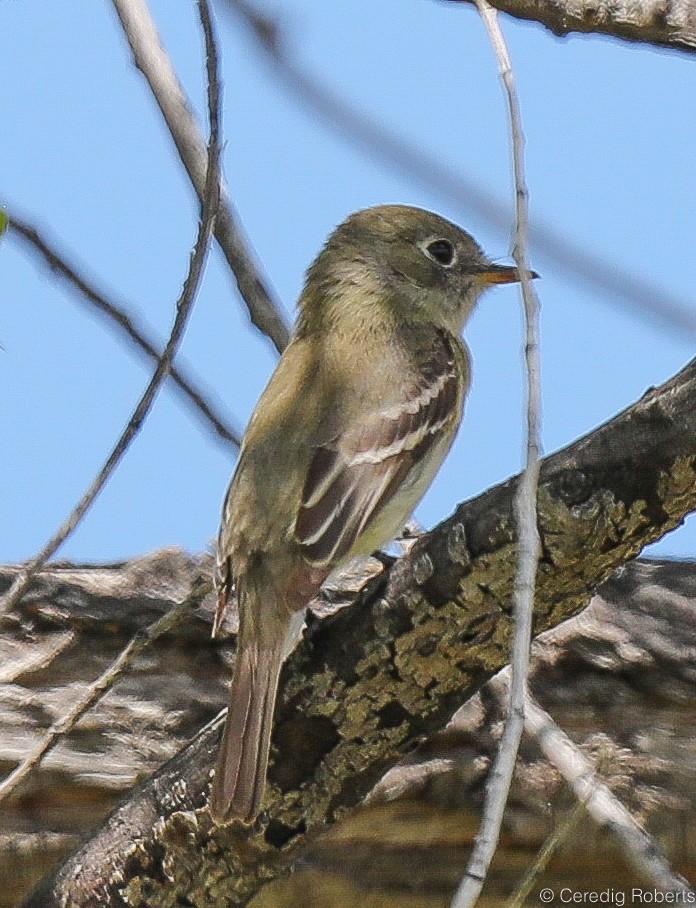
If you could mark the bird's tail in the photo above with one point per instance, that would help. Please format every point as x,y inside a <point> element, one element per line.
<point>240,775</point>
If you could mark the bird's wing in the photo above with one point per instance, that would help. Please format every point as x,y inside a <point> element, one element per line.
<point>352,479</point>
<point>224,586</point>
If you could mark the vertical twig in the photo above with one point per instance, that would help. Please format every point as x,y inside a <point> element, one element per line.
<point>525,508</point>
<point>183,310</point>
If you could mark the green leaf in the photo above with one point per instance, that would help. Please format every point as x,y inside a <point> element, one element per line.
<point>4,221</point>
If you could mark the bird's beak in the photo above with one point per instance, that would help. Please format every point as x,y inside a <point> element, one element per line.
<point>503,274</point>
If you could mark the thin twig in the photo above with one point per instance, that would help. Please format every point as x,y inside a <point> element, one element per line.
<point>183,310</point>
<point>640,849</point>
<point>554,840</point>
<point>153,62</point>
<point>610,279</point>
<point>525,508</point>
<point>104,683</point>
<point>126,322</point>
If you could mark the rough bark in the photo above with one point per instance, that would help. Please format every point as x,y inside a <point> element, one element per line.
<point>664,23</point>
<point>367,684</point>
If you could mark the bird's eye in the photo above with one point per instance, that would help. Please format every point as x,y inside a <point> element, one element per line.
<point>441,251</point>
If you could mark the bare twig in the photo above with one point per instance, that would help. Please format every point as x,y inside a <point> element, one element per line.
<point>554,840</point>
<point>183,309</point>
<point>640,849</point>
<point>525,509</point>
<point>126,322</point>
<point>635,294</point>
<point>152,61</point>
<point>101,686</point>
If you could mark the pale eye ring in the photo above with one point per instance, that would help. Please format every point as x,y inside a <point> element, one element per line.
<point>441,251</point>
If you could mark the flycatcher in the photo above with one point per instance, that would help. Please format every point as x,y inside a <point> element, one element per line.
<point>348,435</point>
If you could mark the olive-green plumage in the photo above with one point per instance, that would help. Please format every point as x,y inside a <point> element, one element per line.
<point>348,435</point>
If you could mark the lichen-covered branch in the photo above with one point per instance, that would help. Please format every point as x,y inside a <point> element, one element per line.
<point>665,23</point>
<point>368,683</point>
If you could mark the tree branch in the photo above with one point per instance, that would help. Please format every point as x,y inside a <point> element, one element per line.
<point>151,59</point>
<point>664,23</point>
<point>184,306</point>
<point>368,683</point>
<point>596,797</point>
<point>126,323</point>
<point>102,685</point>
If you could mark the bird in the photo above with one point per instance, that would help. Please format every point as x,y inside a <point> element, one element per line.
<point>357,418</point>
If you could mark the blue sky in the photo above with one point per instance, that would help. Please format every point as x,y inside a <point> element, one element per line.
<point>610,133</point>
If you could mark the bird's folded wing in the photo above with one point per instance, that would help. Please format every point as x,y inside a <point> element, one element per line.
<point>353,478</point>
